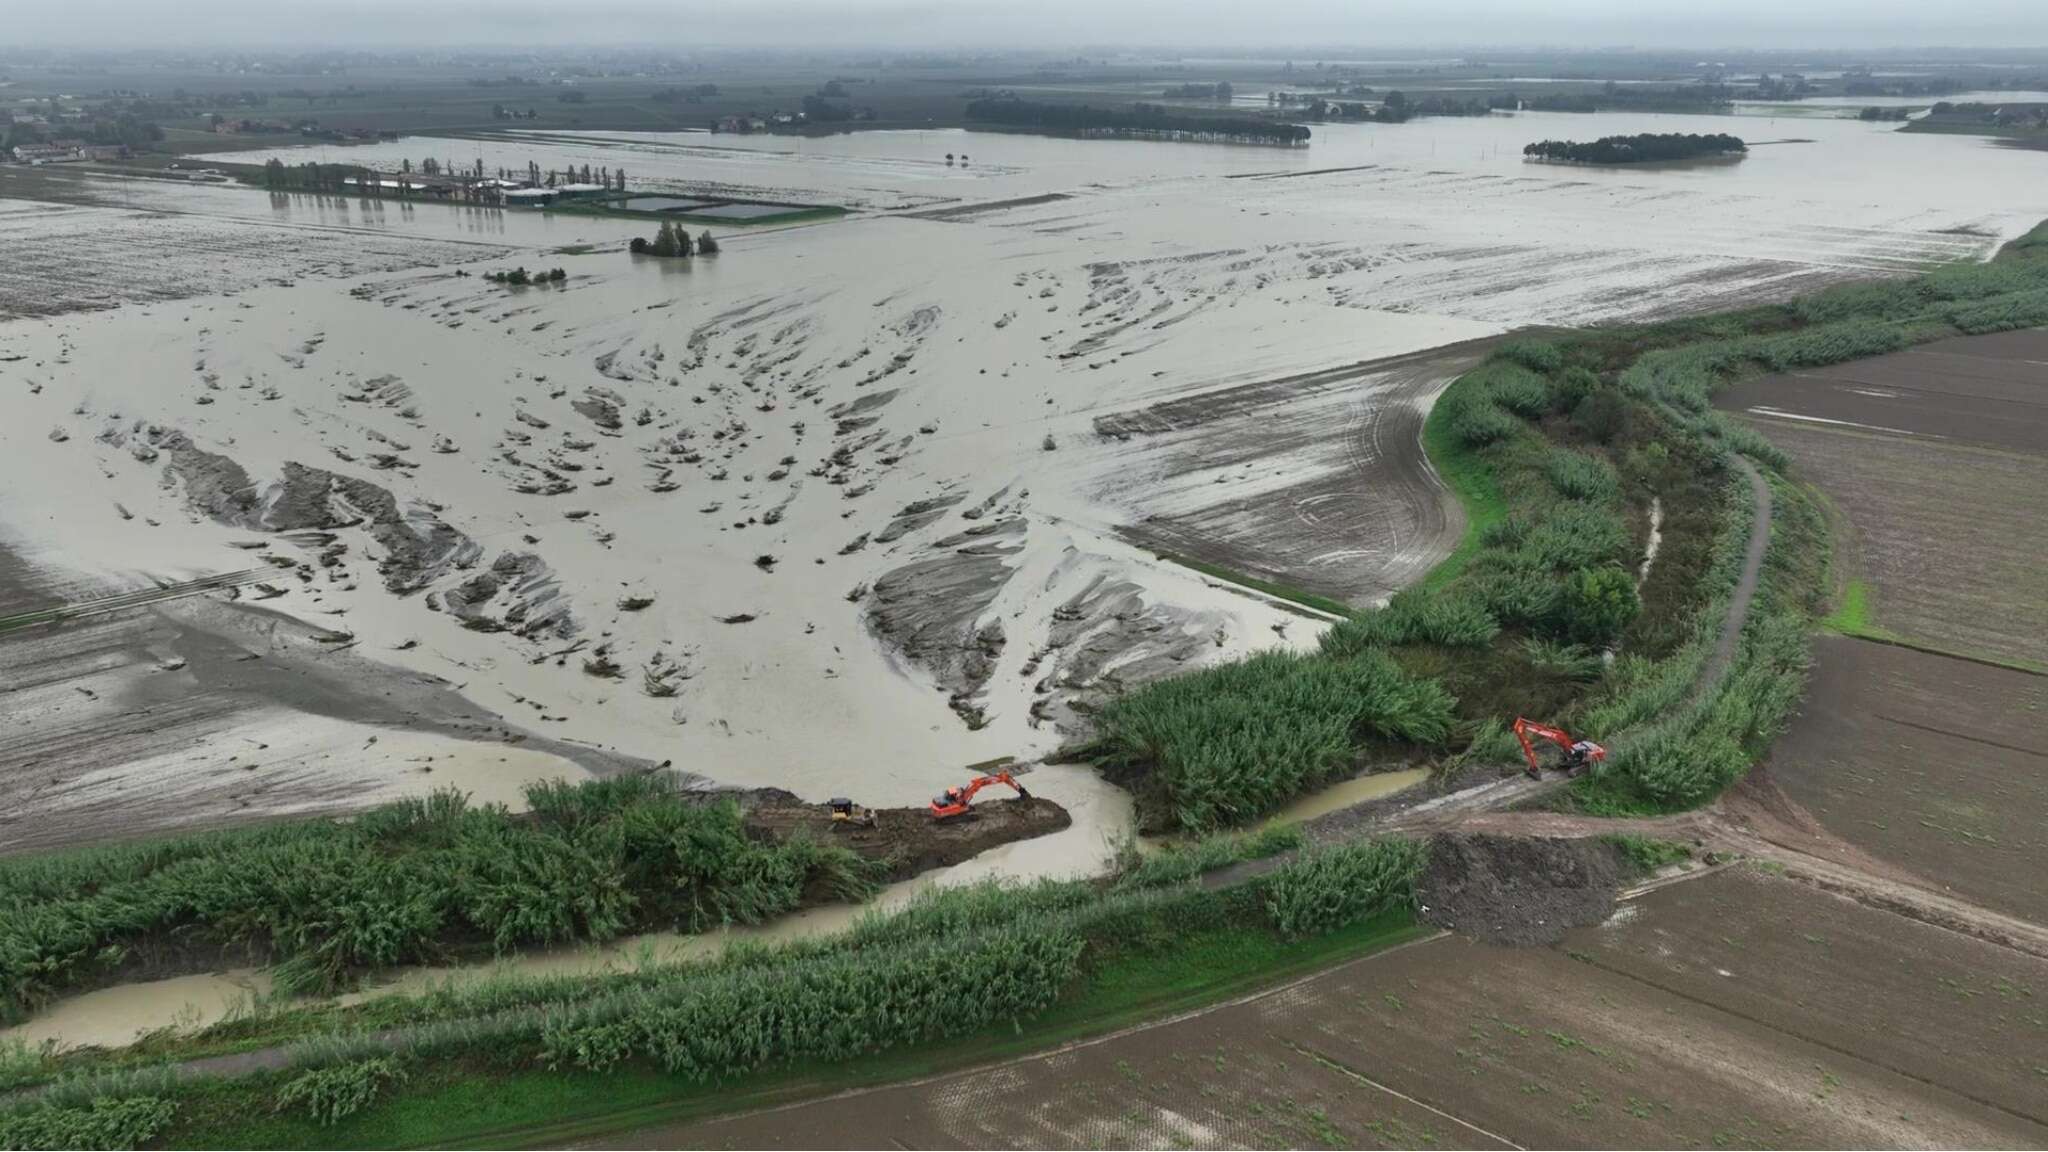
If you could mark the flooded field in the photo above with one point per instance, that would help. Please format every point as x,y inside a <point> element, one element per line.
<point>855,504</point>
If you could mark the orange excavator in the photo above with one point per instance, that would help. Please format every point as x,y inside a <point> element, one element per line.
<point>957,803</point>
<point>1577,753</point>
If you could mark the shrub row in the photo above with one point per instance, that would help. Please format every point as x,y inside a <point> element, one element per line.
<point>1325,889</point>
<point>401,883</point>
<point>105,1122</point>
<point>1235,741</point>
<point>828,1008</point>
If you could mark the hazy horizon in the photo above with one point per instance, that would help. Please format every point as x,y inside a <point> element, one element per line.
<point>1325,26</point>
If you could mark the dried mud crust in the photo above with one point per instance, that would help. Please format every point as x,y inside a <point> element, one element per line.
<point>1517,890</point>
<point>908,839</point>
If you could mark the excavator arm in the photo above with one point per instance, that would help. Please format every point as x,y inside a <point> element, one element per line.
<point>1577,753</point>
<point>956,802</point>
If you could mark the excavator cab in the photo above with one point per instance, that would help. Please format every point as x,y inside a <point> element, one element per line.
<point>1575,756</point>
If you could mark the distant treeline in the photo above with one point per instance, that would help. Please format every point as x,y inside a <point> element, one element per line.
<point>1641,149</point>
<point>1631,98</point>
<point>1397,107</point>
<point>311,177</point>
<point>1151,120</point>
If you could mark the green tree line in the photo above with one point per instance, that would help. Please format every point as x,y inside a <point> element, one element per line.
<point>1139,119</point>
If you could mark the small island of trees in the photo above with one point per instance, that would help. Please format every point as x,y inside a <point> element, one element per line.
<point>1646,148</point>
<point>519,277</point>
<point>674,241</point>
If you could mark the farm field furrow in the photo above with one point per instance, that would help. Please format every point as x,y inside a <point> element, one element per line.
<point>1723,1010</point>
<point>1990,391</point>
<point>1933,763</point>
<point>1943,540</point>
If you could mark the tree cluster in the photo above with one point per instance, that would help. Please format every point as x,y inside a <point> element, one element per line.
<point>519,277</point>
<point>674,240</point>
<point>695,94</point>
<point>310,177</point>
<point>1644,148</point>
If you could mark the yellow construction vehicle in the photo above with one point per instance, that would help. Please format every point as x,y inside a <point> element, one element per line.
<point>845,813</point>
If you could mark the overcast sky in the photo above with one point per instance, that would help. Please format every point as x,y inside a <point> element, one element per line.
<point>1857,24</point>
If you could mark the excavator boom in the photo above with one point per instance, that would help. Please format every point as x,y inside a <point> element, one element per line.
<point>1577,753</point>
<point>954,803</point>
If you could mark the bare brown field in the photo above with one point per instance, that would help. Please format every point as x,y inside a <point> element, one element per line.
<point>1739,1009</point>
<point>1937,459</point>
<point>1932,763</point>
<point>1990,390</point>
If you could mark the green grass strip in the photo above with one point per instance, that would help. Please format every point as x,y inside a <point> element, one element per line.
<point>473,1105</point>
<point>1854,616</point>
<point>1478,492</point>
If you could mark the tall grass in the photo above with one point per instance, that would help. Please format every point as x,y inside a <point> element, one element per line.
<point>1236,741</point>
<point>1690,745</point>
<point>405,882</point>
<point>1325,889</point>
<point>105,1122</point>
<point>953,962</point>
<point>1182,863</point>
<point>1412,616</point>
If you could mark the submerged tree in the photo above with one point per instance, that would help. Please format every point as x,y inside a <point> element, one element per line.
<point>706,246</point>
<point>1640,149</point>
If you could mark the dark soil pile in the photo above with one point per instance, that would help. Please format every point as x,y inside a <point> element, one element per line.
<point>908,839</point>
<point>1517,890</point>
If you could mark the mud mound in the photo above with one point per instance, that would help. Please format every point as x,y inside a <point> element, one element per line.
<point>1517,890</point>
<point>908,838</point>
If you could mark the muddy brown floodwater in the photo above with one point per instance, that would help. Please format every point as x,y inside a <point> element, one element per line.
<point>842,510</point>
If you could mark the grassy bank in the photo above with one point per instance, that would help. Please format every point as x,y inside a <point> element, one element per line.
<point>1556,449</point>
<point>961,976</point>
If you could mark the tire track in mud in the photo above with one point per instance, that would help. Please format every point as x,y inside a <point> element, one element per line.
<point>140,598</point>
<point>1352,517</point>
